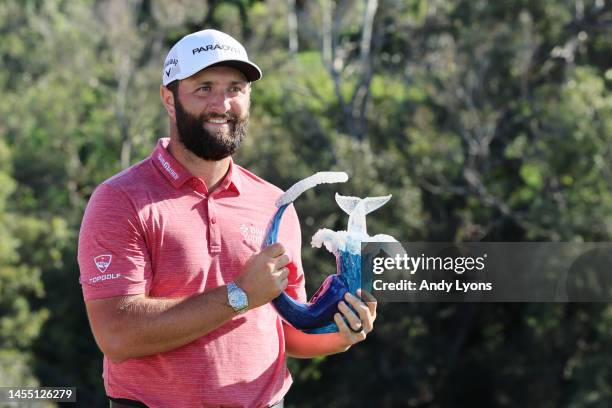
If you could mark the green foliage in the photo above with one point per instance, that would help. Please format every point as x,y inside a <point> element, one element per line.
<point>20,288</point>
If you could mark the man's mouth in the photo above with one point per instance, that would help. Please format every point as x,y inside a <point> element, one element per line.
<point>220,122</point>
<point>217,121</point>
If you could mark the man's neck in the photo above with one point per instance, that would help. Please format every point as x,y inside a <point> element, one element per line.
<point>211,172</point>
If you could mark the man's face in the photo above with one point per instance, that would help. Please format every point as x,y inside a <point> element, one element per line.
<point>212,112</point>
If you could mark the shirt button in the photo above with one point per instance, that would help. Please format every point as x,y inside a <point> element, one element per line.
<point>213,220</point>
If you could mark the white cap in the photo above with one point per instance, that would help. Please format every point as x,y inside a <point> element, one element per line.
<point>205,48</point>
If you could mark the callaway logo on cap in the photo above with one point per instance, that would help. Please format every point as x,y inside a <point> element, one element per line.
<point>205,48</point>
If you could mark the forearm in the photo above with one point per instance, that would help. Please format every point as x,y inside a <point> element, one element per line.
<point>303,345</point>
<point>136,326</point>
<point>145,326</point>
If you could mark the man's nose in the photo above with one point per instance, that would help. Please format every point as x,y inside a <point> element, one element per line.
<point>219,102</point>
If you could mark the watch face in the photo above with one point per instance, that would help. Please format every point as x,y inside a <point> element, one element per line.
<point>237,298</point>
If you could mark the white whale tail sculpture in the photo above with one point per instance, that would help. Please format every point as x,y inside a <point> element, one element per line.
<point>357,208</point>
<point>317,316</point>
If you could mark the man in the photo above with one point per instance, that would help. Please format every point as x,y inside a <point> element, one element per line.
<point>176,285</point>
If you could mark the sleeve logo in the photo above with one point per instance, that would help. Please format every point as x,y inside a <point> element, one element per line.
<point>103,262</point>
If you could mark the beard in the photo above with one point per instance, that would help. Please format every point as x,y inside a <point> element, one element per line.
<point>209,145</point>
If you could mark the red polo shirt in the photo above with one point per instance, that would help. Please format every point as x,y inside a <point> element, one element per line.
<point>155,229</point>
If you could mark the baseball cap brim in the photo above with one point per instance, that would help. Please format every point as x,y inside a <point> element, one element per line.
<point>250,70</point>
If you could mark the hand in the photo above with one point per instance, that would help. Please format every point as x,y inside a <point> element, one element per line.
<point>265,275</point>
<point>363,319</point>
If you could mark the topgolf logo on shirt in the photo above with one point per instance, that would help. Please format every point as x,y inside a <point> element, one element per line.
<point>102,263</point>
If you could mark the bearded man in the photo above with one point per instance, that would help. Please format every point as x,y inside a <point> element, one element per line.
<point>176,285</point>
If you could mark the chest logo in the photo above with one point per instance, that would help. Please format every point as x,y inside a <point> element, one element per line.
<point>252,233</point>
<point>103,262</point>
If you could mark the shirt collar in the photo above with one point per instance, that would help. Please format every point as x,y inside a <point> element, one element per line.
<point>178,175</point>
<point>232,179</point>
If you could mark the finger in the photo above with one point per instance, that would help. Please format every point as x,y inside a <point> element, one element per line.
<point>366,316</point>
<point>344,329</point>
<point>366,296</point>
<point>342,326</point>
<point>282,261</point>
<point>274,250</point>
<point>284,284</point>
<point>369,300</point>
<point>283,272</point>
<point>352,318</point>
<point>354,300</point>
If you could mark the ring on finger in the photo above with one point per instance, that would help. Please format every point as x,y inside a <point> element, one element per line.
<point>358,330</point>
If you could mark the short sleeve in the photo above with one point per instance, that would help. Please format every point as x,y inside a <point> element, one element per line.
<point>113,256</point>
<point>291,237</point>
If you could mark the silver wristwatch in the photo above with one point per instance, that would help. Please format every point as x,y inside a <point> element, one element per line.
<point>237,298</point>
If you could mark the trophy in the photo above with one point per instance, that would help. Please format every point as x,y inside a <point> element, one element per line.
<point>317,315</point>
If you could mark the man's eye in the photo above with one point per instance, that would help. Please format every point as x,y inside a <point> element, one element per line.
<point>235,89</point>
<point>204,89</point>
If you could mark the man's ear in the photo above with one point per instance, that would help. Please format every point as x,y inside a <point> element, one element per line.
<point>167,98</point>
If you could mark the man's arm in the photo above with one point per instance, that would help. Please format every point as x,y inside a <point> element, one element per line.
<point>302,345</point>
<point>136,326</point>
